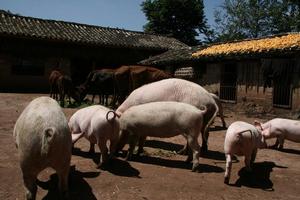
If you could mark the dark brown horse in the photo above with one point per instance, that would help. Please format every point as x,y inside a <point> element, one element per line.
<point>60,86</point>
<point>99,82</point>
<point>53,78</point>
<point>129,78</point>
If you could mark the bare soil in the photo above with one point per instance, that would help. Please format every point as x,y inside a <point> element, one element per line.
<point>160,173</point>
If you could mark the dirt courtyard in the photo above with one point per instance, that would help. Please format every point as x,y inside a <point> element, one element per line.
<point>160,173</point>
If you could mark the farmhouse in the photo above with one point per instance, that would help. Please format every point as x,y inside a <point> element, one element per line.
<point>30,48</point>
<point>262,70</point>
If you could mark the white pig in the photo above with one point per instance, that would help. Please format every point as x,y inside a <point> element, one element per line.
<point>281,129</point>
<point>164,119</point>
<point>179,90</point>
<point>93,122</point>
<point>43,140</point>
<point>242,139</point>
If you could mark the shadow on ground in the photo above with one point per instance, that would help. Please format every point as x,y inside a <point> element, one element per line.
<point>78,187</point>
<point>258,178</point>
<point>122,168</point>
<point>116,166</point>
<point>292,151</point>
<point>176,147</point>
<point>217,128</point>
<point>163,145</point>
<point>176,164</point>
<point>216,155</point>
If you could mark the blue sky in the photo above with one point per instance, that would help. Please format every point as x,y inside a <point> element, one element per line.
<point>124,14</point>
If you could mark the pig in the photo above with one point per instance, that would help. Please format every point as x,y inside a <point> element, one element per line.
<point>174,89</point>
<point>242,139</point>
<point>43,140</point>
<point>281,129</point>
<point>94,124</point>
<point>164,119</point>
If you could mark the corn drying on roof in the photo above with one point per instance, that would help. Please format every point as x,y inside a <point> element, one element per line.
<point>279,43</point>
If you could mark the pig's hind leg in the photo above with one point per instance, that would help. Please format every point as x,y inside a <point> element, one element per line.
<point>103,158</point>
<point>228,168</point>
<point>92,148</point>
<point>195,147</point>
<point>63,176</point>
<point>29,179</point>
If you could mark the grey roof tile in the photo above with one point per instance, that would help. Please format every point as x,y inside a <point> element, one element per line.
<point>15,25</point>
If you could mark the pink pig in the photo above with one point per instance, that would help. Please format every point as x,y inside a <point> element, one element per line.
<point>242,139</point>
<point>98,126</point>
<point>281,129</point>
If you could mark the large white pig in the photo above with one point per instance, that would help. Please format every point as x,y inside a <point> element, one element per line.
<point>179,90</point>
<point>281,129</point>
<point>242,139</point>
<point>95,124</point>
<point>164,119</point>
<point>43,140</point>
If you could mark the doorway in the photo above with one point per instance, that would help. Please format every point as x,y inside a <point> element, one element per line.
<point>228,82</point>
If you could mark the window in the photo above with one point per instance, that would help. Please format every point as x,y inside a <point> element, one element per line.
<point>32,67</point>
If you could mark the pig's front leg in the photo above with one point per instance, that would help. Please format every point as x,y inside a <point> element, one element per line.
<point>132,143</point>
<point>280,141</point>
<point>274,146</point>
<point>253,156</point>
<point>141,145</point>
<point>248,163</point>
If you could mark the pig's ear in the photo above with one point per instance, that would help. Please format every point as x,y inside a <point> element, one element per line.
<point>267,131</point>
<point>257,124</point>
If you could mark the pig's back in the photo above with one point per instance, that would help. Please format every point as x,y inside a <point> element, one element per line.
<point>167,90</point>
<point>156,117</point>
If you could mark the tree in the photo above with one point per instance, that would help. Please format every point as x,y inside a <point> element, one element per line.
<point>181,19</point>
<point>238,19</point>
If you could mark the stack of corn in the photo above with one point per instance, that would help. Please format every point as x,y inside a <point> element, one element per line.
<point>285,42</point>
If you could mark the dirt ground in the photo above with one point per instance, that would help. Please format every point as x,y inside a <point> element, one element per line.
<point>160,174</point>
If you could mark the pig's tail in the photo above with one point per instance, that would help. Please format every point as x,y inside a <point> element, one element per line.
<point>114,115</point>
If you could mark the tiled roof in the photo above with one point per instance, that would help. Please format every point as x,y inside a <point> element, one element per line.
<point>35,28</point>
<point>172,56</point>
<point>283,43</point>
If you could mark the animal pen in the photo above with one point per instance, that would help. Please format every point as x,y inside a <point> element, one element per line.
<point>261,71</point>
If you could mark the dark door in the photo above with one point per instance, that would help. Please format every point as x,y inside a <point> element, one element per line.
<point>228,82</point>
<point>282,89</point>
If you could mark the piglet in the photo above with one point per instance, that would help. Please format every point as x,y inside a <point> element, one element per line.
<point>281,129</point>
<point>242,139</point>
<point>97,124</point>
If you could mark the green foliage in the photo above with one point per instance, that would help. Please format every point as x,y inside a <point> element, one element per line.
<point>181,19</point>
<point>238,19</point>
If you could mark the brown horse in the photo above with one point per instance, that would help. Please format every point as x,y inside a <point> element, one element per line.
<point>60,86</point>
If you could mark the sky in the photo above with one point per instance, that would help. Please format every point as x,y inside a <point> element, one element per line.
<point>125,14</point>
